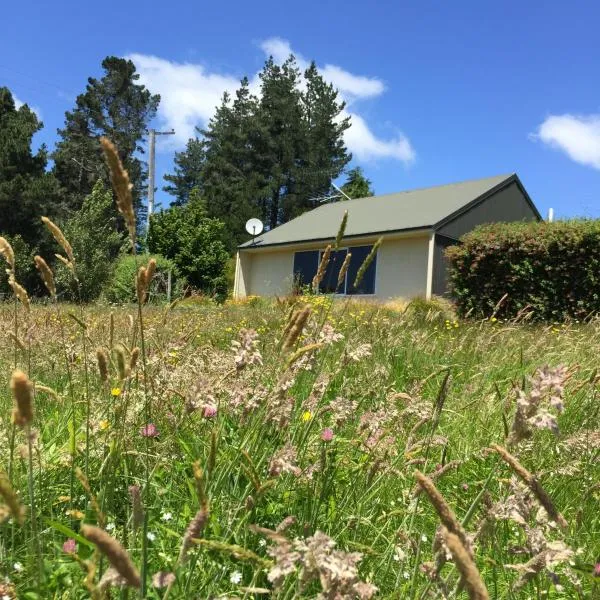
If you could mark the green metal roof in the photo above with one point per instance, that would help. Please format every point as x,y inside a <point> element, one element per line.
<point>414,209</point>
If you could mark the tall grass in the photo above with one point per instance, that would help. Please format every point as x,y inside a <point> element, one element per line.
<point>300,448</point>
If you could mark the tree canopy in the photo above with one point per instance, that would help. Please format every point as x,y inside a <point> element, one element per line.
<point>357,185</point>
<point>267,155</point>
<point>115,106</point>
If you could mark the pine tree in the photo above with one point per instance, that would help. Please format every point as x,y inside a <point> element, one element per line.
<point>326,155</point>
<point>266,157</point>
<point>27,191</point>
<point>188,172</point>
<point>357,185</point>
<point>232,178</point>
<point>115,106</point>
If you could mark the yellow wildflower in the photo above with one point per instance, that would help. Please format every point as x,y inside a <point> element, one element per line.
<point>115,391</point>
<point>306,416</point>
<point>104,424</point>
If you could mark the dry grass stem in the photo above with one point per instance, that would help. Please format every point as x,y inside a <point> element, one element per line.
<point>445,513</point>
<point>534,485</point>
<point>470,576</point>
<point>115,553</point>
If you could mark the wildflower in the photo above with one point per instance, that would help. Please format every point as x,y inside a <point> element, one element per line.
<point>162,579</point>
<point>151,536</point>
<point>360,352</point>
<point>110,527</point>
<point>328,335</point>
<point>533,409</point>
<point>327,434</point>
<point>235,577</point>
<point>104,425</point>
<point>166,516</point>
<point>247,352</point>
<point>284,461</point>
<point>18,567</point>
<point>115,392</point>
<point>149,430</point>
<point>399,554</point>
<point>209,411</point>
<point>306,416</point>
<point>596,570</point>
<point>70,546</point>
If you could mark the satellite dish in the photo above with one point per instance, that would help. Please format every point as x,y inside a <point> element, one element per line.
<point>254,227</point>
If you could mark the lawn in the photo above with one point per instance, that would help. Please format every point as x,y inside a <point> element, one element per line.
<point>242,453</point>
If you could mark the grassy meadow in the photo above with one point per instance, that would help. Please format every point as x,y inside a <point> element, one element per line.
<point>270,448</point>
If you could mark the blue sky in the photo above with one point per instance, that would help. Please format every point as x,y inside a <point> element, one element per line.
<point>438,91</point>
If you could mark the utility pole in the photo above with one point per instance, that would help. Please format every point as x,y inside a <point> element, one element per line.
<point>151,166</point>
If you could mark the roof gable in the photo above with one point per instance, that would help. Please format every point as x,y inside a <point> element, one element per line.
<point>414,209</point>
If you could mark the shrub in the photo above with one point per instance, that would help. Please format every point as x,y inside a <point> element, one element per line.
<point>549,269</point>
<point>122,285</point>
<point>194,243</point>
<point>96,244</point>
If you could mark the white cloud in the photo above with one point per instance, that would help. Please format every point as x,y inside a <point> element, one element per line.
<point>35,109</point>
<point>576,135</point>
<point>190,93</point>
<point>366,146</point>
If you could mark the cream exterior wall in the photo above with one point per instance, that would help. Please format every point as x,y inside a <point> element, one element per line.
<point>401,270</point>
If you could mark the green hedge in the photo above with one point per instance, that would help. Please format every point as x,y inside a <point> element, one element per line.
<point>550,269</point>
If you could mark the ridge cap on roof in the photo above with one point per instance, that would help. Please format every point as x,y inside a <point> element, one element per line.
<point>502,177</point>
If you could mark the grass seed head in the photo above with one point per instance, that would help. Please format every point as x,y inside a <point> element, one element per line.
<point>322,269</point>
<point>343,270</point>
<point>102,359</point>
<point>19,291</point>
<point>294,332</point>
<point>45,274</point>
<point>8,253</point>
<point>363,268</point>
<point>445,513</point>
<point>23,394</point>
<point>115,553</point>
<point>534,485</point>
<point>11,499</point>
<point>121,185</point>
<point>135,354</point>
<point>470,576</point>
<point>60,238</point>
<point>341,230</point>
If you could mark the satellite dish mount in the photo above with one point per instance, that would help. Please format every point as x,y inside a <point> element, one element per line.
<point>254,227</point>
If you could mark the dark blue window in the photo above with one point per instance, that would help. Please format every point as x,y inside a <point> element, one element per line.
<point>305,267</point>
